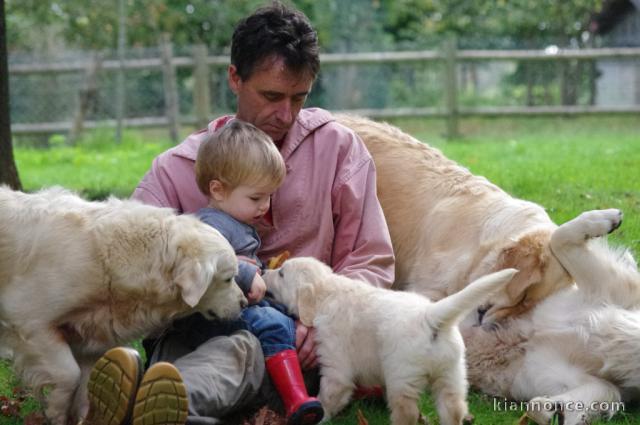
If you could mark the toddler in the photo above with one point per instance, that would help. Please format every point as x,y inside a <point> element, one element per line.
<point>238,168</point>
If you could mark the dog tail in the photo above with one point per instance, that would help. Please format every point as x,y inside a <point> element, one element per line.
<point>450,310</point>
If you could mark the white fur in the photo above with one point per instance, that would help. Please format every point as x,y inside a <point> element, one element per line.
<point>371,336</point>
<point>79,277</point>
<point>581,344</point>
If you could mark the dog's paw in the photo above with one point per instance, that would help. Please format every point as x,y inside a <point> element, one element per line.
<point>589,224</point>
<point>578,417</point>
<point>599,222</point>
<point>545,411</point>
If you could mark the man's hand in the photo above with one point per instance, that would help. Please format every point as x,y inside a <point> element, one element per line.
<point>306,346</point>
<point>258,289</point>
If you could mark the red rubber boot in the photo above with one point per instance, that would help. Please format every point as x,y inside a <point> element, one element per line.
<point>284,370</point>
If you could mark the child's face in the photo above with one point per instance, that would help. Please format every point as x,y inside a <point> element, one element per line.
<point>246,203</point>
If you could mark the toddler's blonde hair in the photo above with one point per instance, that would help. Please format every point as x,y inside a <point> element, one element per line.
<point>237,154</point>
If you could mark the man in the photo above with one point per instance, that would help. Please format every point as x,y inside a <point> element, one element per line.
<point>326,208</point>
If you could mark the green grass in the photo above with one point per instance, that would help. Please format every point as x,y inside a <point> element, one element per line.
<point>567,165</point>
<point>95,166</point>
<point>10,388</point>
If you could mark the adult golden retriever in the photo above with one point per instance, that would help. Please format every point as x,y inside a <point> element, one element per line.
<point>79,277</point>
<point>558,344</point>
<point>449,227</point>
<point>374,336</point>
<point>577,353</point>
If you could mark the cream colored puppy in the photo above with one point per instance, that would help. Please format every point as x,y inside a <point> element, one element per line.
<point>79,277</point>
<point>371,336</point>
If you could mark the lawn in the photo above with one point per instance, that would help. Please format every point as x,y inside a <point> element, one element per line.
<point>567,165</point>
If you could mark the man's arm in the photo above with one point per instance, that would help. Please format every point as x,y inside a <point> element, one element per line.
<point>156,187</point>
<point>362,245</point>
<point>171,180</point>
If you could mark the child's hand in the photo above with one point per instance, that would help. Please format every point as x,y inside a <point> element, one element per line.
<point>258,289</point>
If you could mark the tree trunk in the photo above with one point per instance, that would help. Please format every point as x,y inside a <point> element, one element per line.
<point>8,170</point>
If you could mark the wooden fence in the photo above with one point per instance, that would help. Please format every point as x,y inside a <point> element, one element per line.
<point>201,63</point>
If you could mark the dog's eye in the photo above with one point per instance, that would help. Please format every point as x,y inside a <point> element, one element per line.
<point>228,280</point>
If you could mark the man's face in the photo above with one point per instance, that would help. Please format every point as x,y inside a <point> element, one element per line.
<point>271,97</point>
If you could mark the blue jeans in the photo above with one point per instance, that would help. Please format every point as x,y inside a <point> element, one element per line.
<point>266,320</point>
<point>275,330</point>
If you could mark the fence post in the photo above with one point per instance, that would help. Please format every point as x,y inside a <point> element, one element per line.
<point>451,87</point>
<point>121,93</point>
<point>87,97</point>
<point>201,86</point>
<point>171,106</point>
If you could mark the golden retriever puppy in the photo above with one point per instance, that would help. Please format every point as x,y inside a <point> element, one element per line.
<point>80,277</point>
<point>371,336</point>
<point>449,227</point>
<point>577,353</point>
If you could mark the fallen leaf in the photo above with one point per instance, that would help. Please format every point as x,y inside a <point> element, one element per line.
<point>260,417</point>
<point>524,420</point>
<point>9,408</point>
<point>265,416</point>
<point>361,419</point>
<point>34,419</point>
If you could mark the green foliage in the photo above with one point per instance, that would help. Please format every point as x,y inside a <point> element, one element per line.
<point>16,405</point>
<point>347,26</point>
<point>94,25</point>
<point>342,25</point>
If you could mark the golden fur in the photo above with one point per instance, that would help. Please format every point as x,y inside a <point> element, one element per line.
<point>79,277</point>
<point>373,336</point>
<point>575,352</point>
<point>550,339</point>
<point>449,227</point>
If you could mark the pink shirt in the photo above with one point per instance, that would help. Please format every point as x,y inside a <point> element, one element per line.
<point>326,208</point>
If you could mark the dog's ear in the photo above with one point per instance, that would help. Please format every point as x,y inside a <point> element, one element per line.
<point>527,255</point>
<point>306,304</point>
<point>193,278</point>
<point>522,281</point>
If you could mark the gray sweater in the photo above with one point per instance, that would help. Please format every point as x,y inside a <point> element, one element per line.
<point>243,238</point>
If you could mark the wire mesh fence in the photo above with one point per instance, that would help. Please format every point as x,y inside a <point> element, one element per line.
<point>72,88</point>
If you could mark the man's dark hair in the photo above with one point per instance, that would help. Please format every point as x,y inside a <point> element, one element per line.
<point>275,31</point>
